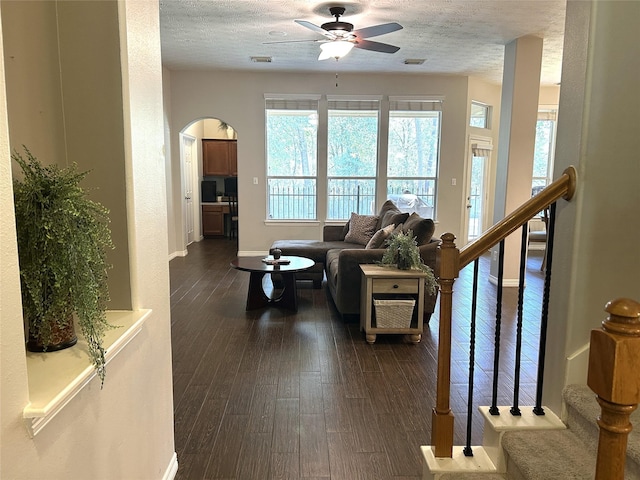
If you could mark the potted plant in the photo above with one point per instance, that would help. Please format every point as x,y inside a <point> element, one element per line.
<point>62,239</point>
<point>402,252</point>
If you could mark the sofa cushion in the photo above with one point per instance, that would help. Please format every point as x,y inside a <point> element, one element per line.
<point>316,250</point>
<point>380,236</point>
<point>422,228</point>
<point>361,228</point>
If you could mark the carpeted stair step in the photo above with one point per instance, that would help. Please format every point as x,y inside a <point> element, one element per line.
<point>547,455</point>
<point>473,476</point>
<point>582,414</point>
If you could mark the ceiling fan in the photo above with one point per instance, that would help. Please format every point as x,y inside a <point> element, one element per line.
<point>340,37</point>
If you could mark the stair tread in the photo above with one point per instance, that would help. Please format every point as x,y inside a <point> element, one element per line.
<point>472,476</point>
<point>582,399</point>
<point>549,455</point>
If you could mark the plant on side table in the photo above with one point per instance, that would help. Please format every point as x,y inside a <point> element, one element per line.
<point>62,238</point>
<point>402,252</point>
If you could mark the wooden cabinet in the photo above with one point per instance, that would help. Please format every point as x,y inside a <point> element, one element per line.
<point>212,220</point>
<point>219,158</point>
<point>388,283</point>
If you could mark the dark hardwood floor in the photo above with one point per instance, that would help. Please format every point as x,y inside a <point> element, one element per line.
<point>269,394</point>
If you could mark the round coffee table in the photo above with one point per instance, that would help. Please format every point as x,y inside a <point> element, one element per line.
<point>288,298</point>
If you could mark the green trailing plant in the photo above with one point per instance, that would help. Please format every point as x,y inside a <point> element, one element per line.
<point>63,238</point>
<point>402,252</point>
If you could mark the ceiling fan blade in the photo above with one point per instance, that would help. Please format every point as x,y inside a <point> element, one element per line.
<point>294,41</point>
<point>315,28</point>
<point>376,30</point>
<point>376,46</point>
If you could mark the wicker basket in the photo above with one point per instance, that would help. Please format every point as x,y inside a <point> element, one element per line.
<point>394,313</point>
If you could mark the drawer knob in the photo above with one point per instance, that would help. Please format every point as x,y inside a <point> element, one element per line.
<point>395,286</point>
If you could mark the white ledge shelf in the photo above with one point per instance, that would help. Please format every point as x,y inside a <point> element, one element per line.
<point>56,377</point>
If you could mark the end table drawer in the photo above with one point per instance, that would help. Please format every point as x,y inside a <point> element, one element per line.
<point>395,285</point>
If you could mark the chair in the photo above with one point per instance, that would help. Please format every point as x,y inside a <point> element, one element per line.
<point>233,215</point>
<point>540,236</point>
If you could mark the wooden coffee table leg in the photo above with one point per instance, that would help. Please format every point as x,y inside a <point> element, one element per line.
<point>289,297</point>
<point>256,297</point>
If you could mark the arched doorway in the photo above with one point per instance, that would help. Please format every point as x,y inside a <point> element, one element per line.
<point>204,209</point>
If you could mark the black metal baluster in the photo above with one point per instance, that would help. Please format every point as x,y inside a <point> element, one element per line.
<point>468,451</point>
<point>493,410</point>
<point>515,409</point>
<point>538,410</point>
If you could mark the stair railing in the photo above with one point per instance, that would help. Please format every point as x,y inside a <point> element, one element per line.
<point>614,357</point>
<point>450,260</point>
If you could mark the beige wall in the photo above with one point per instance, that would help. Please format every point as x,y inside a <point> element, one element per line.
<point>84,124</point>
<point>124,431</point>
<point>193,97</point>
<point>598,231</point>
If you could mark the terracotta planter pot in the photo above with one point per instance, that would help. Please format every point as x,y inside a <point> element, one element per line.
<point>61,338</point>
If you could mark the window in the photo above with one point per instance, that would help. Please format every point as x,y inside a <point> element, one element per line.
<point>544,150</point>
<point>414,150</point>
<point>292,133</point>
<point>357,168</point>
<point>480,115</point>
<point>352,157</point>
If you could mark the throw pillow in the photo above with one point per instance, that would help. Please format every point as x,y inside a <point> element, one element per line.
<point>422,228</point>
<point>361,228</point>
<point>387,207</point>
<point>380,236</point>
<point>345,230</point>
<point>393,218</point>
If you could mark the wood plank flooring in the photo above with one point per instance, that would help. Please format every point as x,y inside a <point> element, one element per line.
<point>269,394</point>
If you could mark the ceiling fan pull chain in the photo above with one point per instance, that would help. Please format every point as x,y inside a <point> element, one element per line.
<point>336,79</point>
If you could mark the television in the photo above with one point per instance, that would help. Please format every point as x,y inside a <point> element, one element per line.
<point>231,186</point>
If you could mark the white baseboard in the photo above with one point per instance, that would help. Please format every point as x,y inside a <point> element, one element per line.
<point>172,469</point>
<point>173,255</point>
<point>506,282</point>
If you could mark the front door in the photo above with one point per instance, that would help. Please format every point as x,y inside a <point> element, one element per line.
<point>188,154</point>
<point>476,193</point>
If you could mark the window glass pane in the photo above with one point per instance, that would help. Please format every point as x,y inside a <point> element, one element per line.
<point>353,143</point>
<point>347,195</point>
<point>292,142</point>
<point>543,144</point>
<point>290,198</point>
<point>291,134</point>
<point>413,195</point>
<point>479,115</point>
<point>413,144</point>
<point>412,161</point>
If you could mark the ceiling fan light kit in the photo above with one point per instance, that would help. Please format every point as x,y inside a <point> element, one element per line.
<point>335,49</point>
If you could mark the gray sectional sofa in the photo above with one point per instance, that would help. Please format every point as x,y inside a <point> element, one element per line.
<point>343,249</point>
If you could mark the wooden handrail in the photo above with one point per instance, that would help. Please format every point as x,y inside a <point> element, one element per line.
<point>449,261</point>
<point>563,187</point>
<point>613,359</point>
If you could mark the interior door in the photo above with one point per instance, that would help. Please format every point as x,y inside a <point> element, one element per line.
<point>476,192</point>
<point>188,155</point>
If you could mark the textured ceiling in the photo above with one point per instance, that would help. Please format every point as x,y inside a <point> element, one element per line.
<point>458,37</point>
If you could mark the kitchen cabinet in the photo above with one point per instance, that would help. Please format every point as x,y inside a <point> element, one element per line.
<point>219,157</point>
<point>213,220</point>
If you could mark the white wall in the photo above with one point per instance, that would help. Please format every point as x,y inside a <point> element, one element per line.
<point>124,431</point>
<point>196,95</point>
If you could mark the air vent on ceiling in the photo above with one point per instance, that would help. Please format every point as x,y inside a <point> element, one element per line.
<point>261,59</point>
<point>414,61</point>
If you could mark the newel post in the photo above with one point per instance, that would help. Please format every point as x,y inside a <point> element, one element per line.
<point>447,269</point>
<point>614,375</point>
